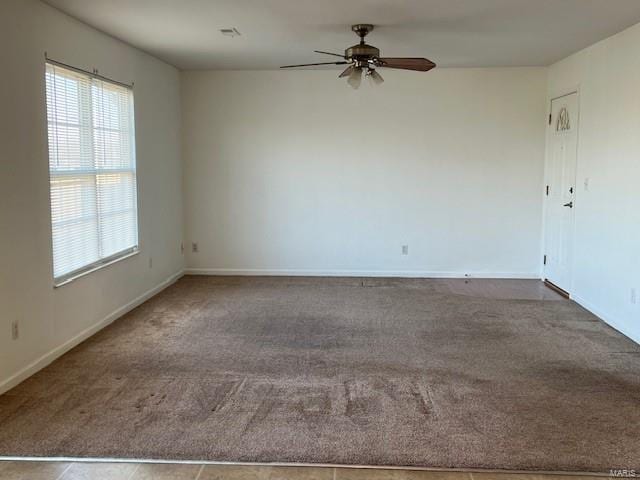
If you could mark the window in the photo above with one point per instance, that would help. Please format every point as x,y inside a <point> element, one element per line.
<point>92,169</point>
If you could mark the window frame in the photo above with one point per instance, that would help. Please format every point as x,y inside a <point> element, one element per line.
<point>66,278</point>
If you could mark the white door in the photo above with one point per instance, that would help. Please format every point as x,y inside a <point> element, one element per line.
<point>562,150</point>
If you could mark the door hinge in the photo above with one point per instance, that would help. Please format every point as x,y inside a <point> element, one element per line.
<point>547,190</point>
<point>549,119</point>
<point>544,260</point>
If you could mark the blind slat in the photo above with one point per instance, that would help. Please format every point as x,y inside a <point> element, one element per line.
<point>92,170</point>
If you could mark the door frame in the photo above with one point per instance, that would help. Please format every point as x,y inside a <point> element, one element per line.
<point>543,239</point>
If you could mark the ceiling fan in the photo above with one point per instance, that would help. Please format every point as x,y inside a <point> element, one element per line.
<point>363,58</point>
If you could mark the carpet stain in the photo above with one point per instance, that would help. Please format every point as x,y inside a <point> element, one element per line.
<point>224,393</point>
<point>314,405</point>
<point>358,408</point>
<point>265,406</point>
<point>423,399</point>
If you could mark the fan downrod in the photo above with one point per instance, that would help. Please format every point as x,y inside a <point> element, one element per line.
<point>362,30</point>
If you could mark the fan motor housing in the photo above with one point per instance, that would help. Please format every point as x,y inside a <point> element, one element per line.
<point>361,51</point>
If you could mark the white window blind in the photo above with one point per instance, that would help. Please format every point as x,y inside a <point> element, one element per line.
<point>92,171</point>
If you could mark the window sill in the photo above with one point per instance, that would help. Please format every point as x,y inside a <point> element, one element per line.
<point>57,283</point>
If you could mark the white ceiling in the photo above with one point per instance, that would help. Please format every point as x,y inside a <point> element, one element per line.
<point>453,33</point>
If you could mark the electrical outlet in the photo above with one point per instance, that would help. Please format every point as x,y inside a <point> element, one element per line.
<point>634,296</point>
<point>15,332</point>
<point>182,248</point>
<point>194,247</point>
<point>586,184</point>
<point>150,262</point>
<point>405,249</point>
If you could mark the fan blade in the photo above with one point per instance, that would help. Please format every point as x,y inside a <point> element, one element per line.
<point>329,53</point>
<point>347,71</point>
<point>374,77</point>
<point>355,78</point>
<point>418,64</point>
<point>313,64</point>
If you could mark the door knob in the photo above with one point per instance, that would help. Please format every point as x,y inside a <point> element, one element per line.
<point>570,204</point>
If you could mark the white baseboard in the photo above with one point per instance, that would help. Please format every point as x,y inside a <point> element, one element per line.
<point>608,319</point>
<point>49,357</point>
<point>358,273</point>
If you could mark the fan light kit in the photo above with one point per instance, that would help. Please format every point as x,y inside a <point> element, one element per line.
<point>364,59</point>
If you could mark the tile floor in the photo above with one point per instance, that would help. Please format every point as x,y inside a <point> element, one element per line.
<point>26,470</point>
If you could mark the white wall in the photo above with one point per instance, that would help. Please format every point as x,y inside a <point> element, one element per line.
<point>294,172</point>
<point>50,318</point>
<point>607,249</point>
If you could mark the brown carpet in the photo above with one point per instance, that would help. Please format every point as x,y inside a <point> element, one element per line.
<point>351,371</point>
